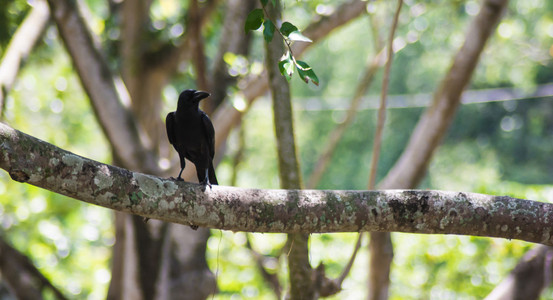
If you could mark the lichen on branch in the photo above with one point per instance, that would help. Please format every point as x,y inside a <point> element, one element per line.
<point>36,162</point>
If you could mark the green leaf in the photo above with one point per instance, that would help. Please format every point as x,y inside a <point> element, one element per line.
<point>254,20</point>
<point>286,28</point>
<point>306,72</point>
<point>268,30</point>
<point>286,66</point>
<point>297,36</point>
<point>264,2</point>
<point>303,65</point>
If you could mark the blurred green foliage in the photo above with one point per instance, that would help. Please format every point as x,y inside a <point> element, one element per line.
<point>498,148</point>
<point>67,240</point>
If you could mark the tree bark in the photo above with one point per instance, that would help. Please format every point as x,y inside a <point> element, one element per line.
<point>36,162</point>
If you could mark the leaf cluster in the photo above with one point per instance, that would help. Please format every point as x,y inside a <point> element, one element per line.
<point>289,33</point>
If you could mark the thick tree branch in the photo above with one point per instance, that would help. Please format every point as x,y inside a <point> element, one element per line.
<point>36,162</point>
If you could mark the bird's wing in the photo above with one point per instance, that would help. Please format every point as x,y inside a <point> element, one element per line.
<point>170,126</point>
<point>209,134</point>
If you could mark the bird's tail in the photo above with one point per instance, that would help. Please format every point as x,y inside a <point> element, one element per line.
<point>211,174</point>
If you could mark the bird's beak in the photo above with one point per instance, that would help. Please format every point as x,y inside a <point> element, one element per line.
<point>199,95</point>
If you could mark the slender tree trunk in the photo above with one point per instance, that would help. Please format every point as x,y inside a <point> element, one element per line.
<point>300,272</point>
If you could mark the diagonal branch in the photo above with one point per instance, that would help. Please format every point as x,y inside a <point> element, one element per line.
<point>270,278</point>
<point>530,277</point>
<point>20,46</point>
<point>432,126</point>
<point>29,282</point>
<point>41,164</point>
<point>107,99</point>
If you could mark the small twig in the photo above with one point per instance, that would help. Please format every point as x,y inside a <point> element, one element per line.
<point>272,279</point>
<point>347,269</point>
<point>284,38</point>
<point>382,108</point>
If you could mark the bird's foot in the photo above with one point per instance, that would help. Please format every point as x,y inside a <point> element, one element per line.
<point>177,179</point>
<point>205,184</point>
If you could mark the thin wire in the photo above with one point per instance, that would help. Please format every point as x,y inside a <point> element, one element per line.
<point>217,264</point>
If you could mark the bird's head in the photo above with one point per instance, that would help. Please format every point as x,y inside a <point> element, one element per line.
<point>190,98</point>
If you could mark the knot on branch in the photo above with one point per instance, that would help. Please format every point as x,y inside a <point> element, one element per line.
<point>19,176</point>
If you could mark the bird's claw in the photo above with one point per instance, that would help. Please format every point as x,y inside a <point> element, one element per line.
<point>206,184</point>
<point>176,179</point>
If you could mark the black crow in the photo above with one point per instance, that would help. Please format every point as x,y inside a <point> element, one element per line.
<point>191,132</point>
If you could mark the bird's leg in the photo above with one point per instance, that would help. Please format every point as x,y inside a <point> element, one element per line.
<point>179,178</point>
<point>180,173</point>
<point>206,180</point>
<point>182,165</point>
